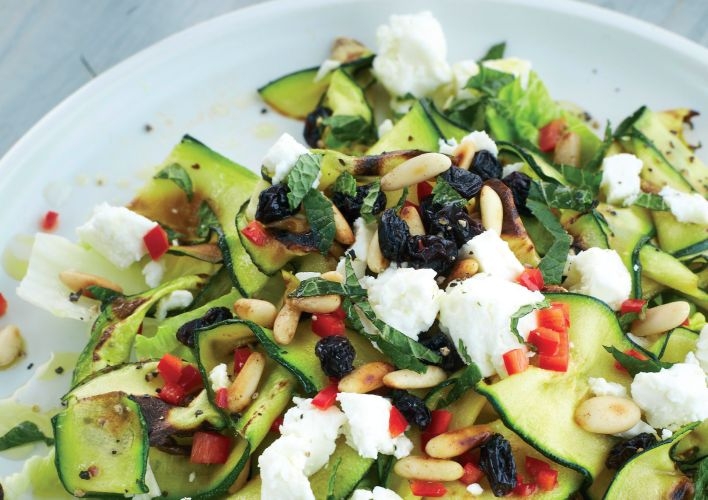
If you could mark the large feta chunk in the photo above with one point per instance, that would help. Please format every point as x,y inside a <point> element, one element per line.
<point>407,299</point>
<point>116,233</point>
<point>686,207</point>
<point>412,55</point>
<point>153,272</point>
<point>620,178</point>
<point>494,255</point>
<point>367,426</point>
<point>600,273</point>
<point>281,466</point>
<point>672,396</point>
<point>520,68</point>
<point>282,156</point>
<point>477,312</point>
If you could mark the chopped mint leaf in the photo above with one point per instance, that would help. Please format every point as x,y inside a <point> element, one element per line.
<point>553,263</point>
<point>496,51</point>
<point>320,216</point>
<point>596,161</point>
<point>651,201</point>
<point>555,195</point>
<point>444,193</point>
<point>384,466</point>
<point>701,480</point>
<point>367,207</point>
<point>523,311</point>
<point>489,81</point>
<point>177,174</point>
<point>23,433</point>
<point>634,365</point>
<point>402,200</point>
<point>207,220</point>
<point>345,184</point>
<point>469,112</point>
<point>301,178</point>
<point>346,129</point>
<point>332,481</point>
<point>467,378</point>
<point>581,178</point>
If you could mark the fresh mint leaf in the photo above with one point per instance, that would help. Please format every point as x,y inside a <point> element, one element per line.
<point>301,177</point>
<point>320,216</point>
<point>523,311</point>
<point>700,481</point>
<point>496,51</point>
<point>384,466</point>
<point>634,365</point>
<point>489,81</point>
<point>596,161</point>
<point>313,287</point>
<point>553,263</point>
<point>402,200</point>
<point>651,201</point>
<point>345,184</point>
<point>555,195</point>
<point>177,174</point>
<point>347,129</point>
<point>332,481</point>
<point>466,379</point>
<point>367,207</point>
<point>581,178</point>
<point>468,112</point>
<point>207,220</point>
<point>444,193</point>
<point>104,295</point>
<point>462,351</point>
<point>23,433</point>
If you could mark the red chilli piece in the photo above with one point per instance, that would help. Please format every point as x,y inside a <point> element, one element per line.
<point>172,393</point>
<point>156,242</point>
<point>190,379</point>
<point>50,220</point>
<point>632,306</point>
<point>471,474</point>
<point>210,448</point>
<point>533,466</point>
<point>3,305</point>
<point>221,398</point>
<point>397,423</point>
<point>550,134</point>
<point>557,362</point>
<point>515,361</point>
<point>326,397</point>
<point>427,488</point>
<point>340,313</point>
<point>531,278</point>
<point>170,368</point>
<point>522,488</point>
<point>241,355</point>
<point>256,233</point>
<point>327,324</point>
<point>545,340</point>
<point>553,317</point>
<point>423,190</point>
<point>547,479</point>
<point>439,423</point>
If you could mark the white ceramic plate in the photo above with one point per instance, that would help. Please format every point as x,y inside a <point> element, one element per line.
<point>94,146</point>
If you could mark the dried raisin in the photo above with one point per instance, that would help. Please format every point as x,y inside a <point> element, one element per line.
<point>314,126</point>
<point>519,184</point>
<point>486,165</point>
<point>412,407</point>
<point>350,206</point>
<point>497,462</point>
<point>273,204</point>
<point>393,236</point>
<point>185,333</point>
<point>431,251</point>
<point>336,355</point>
<point>624,450</point>
<point>466,183</point>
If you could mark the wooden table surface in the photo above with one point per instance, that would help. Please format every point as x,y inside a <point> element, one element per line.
<point>49,48</point>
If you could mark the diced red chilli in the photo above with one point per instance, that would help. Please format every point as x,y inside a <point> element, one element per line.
<point>241,355</point>
<point>156,242</point>
<point>190,379</point>
<point>221,398</point>
<point>3,305</point>
<point>50,220</point>
<point>397,423</point>
<point>170,368</point>
<point>326,397</point>
<point>427,488</point>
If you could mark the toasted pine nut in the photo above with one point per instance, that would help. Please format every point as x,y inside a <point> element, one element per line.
<point>464,153</point>
<point>374,258</point>
<point>567,150</point>
<point>10,345</point>
<point>412,218</point>
<point>241,390</point>
<point>453,443</point>
<point>321,304</point>
<point>261,312</point>
<point>77,280</point>
<point>333,276</point>
<point>490,206</point>
<point>418,169</point>
<point>463,269</point>
<point>342,231</point>
<point>408,379</point>
<point>285,324</point>
<point>607,414</point>
<point>660,319</point>
<point>428,469</point>
<point>366,378</point>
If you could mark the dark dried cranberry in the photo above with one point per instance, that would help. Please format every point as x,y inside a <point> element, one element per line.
<point>431,251</point>
<point>466,183</point>
<point>185,333</point>
<point>442,344</point>
<point>412,407</point>
<point>336,355</point>
<point>624,450</point>
<point>273,204</point>
<point>350,206</point>
<point>497,462</point>
<point>519,184</point>
<point>393,236</point>
<point>486,165</point>
<point>450,221</point>
<point>314,126</point>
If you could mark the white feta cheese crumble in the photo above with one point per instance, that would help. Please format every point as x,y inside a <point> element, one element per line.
<point>477,313</point>
<point>363,234</point>
<point>384,127</point>
<point>479,139</point>
<point>462,71</point>
<point>511,168</point>
<point>219,377</point>
<point>179,299</point>
<point>405,298</point>
<point>153,272</point>
<point>520,68</point>
<point>192,477</point>
<point>672,396</point>
<point>306,275</point>
<point>327,66</point>
<point>282,156</point>
<point>281,466</point>
<point>475,489</point>
<point>620,178</point>
<point>600,273</point>
<point>367,426</point>
<point>601,387</point>
<point>639,428</point>
<point>666,434</point>
<point>412,55</point>
<point>494,255</point>
<point>116,233</point>
<point>701,352</point>
<point>378,493</point>
<point>686,207</point>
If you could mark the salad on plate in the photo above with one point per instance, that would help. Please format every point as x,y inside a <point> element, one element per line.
<point>451,286</point>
